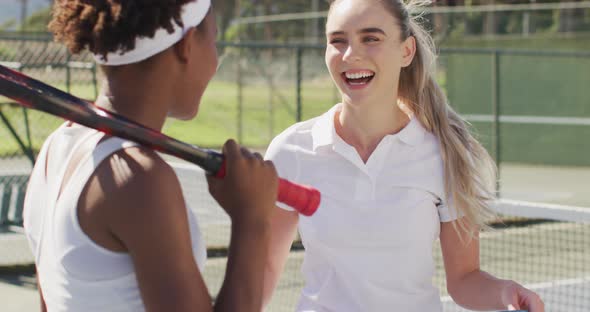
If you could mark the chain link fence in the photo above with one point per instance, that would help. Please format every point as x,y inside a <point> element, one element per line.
<point>525,106</point>
<point>23,131</point>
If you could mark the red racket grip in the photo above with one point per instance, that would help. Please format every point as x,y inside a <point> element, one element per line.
<point>304,199</point>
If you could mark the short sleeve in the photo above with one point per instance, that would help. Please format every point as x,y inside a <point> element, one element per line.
<point>284,157</point>
<point>446,212</point>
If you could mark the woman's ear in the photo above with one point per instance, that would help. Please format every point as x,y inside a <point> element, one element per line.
<point>408,51</point>
<point>183,48</point>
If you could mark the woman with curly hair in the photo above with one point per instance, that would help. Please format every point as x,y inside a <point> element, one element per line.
<point>105,218</point>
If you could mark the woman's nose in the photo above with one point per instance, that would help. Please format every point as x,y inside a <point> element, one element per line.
<point>351,54</point>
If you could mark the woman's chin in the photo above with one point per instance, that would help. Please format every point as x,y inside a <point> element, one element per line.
<point>184,115</point>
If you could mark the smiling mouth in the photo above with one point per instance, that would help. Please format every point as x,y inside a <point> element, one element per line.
<point>358,79</point>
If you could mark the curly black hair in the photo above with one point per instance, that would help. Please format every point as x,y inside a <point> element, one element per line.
<point>104,26</point>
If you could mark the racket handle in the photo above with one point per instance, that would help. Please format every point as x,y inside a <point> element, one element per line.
<point>304,199</point>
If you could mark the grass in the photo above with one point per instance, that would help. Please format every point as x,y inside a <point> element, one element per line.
<point>41,124</point>
<point>219,114</point>
<point>217,119</point>
<point>538,86</point>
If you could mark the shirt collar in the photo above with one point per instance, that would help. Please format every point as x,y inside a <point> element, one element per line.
<point>413,133</point>
<point>323,131</point>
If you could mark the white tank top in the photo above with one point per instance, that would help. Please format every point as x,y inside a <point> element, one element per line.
<point>74,272</point>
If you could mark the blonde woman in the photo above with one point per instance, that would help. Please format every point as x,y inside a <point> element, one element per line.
<point>397,169</point>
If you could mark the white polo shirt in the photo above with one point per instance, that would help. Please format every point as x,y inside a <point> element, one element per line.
<point>369,245</point>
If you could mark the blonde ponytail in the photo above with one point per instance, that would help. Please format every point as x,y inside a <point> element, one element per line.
<point>469,170</point>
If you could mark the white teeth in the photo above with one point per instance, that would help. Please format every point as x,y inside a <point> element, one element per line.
<point>359,75</point>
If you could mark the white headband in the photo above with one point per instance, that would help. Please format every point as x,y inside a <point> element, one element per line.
<point>192,15</point>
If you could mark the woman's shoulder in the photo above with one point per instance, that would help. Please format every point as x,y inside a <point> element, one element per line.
<point>133,180</point>
<point>298,129</point>
<point>300,133</point>
<point>136,167</point>
<point>134,193</point>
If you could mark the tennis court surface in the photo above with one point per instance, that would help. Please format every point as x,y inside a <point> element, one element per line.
<point>546,247</point>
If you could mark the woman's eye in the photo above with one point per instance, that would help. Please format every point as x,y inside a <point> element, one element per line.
<point>336,40</point>
<point>371,39</point>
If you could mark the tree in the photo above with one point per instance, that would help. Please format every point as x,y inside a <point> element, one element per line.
<point>37,22</point>
<point>8,24</point>
<point>225,12</point>
<point>569,20</point>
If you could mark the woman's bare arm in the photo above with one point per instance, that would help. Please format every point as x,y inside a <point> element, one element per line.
<point>283,229</point>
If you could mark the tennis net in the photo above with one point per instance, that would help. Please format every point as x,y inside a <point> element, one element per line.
<point>545,247</point>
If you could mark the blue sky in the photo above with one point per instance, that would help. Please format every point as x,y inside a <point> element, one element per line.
<point>10,9</point>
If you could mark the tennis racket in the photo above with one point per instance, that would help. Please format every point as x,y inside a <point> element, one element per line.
<point>34,94</point>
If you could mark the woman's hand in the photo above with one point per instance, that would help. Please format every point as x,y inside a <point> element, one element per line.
<point>248,191</point>
<point>516,297</point>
